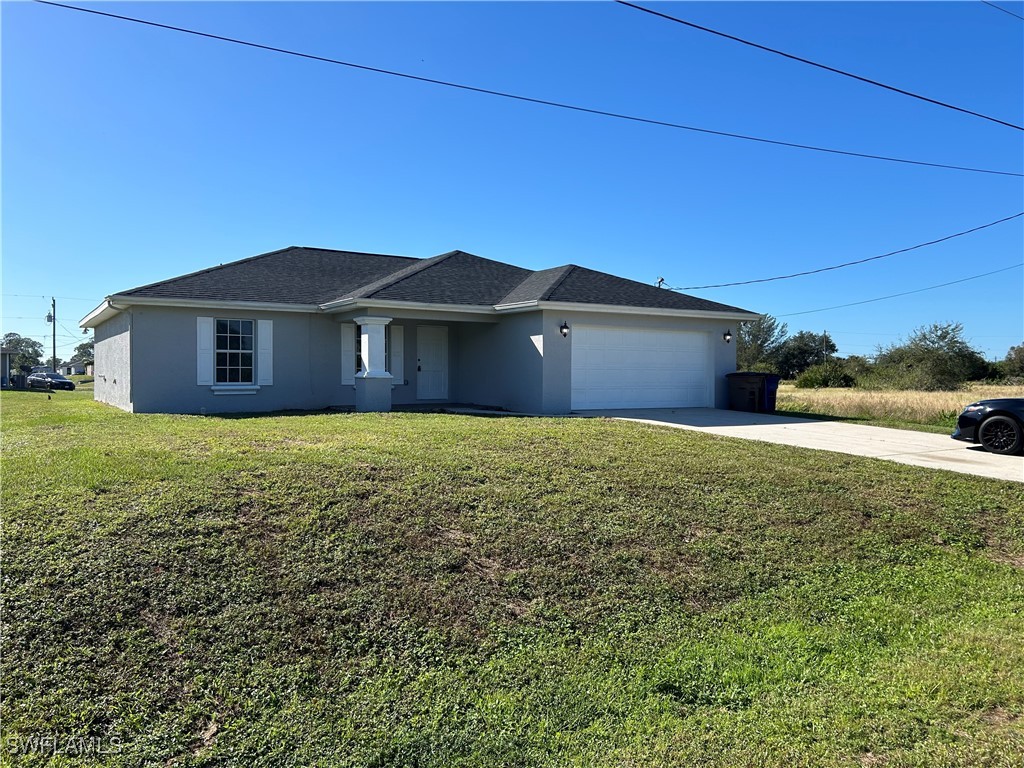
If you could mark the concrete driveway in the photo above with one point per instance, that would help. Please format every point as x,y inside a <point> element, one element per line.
<point>922,449</point>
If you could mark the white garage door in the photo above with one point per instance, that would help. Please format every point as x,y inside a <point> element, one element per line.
<point>635,368</point>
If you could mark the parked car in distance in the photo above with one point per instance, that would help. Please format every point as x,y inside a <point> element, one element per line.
<point>998,425</point>
<point>47,380</point>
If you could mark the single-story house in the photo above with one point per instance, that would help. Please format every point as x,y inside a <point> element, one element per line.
<point>309,328</point>
<point>77,368</point>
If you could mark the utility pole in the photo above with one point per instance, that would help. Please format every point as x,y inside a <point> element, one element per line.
<point>52,318</point>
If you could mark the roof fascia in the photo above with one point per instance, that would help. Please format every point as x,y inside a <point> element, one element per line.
<point>101,314</point>
<point>615,309</point>
<point>347,305</point>
<point>121,301</point>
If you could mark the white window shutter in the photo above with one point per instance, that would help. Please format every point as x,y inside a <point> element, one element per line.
<point>397,370</point>
<point>348,353</point>
<point>264,352</point>
<point>204,350</point>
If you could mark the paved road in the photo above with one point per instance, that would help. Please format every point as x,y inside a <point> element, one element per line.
<point>922,449</point>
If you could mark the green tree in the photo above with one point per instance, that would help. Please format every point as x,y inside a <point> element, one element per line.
<point>934,357</point>
<point>802,350</point>
<point>84,352</point>
<point>25,351</point>
<point>1013,364</point>
<point>757,342</point>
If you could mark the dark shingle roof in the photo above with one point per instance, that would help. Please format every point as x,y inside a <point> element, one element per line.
<point>292,275</point>
<point>588,286</point>
<point>317,276</point>
<point>537,286</point>
<point>455,278</point>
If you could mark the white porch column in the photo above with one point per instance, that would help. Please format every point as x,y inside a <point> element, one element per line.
<point>373,383</point>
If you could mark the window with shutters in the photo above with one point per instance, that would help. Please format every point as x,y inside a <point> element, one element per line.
<point>234,351</point>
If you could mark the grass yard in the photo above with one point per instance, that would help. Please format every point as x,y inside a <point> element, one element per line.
<point>925,411</point>
<point>431,590</point>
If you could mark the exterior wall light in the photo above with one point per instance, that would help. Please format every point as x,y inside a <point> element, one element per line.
<point>564,329</point>
<point>727,336</point>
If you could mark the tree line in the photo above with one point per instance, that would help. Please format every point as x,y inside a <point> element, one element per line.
<point>933,357</point>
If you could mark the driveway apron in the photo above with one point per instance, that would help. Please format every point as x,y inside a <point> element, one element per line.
<point>921,449</point>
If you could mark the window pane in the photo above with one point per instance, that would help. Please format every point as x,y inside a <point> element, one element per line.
<point>245,326</point>
<point>246,375</point>
<point>222,359</point>
<point>233,326</point>
<point>222,326</point>
<point>246,342</point>
<point>232,375</point>
<point>222,375</point>
<point>222,341</point>
<point>245,359</point>
<point>233,342</point>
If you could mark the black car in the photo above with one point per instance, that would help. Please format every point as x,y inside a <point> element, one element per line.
<point>47,380</point>
<point>997,424</point>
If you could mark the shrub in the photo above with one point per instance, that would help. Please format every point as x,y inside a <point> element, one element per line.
<point>827,374</point>
<point>933,358</point>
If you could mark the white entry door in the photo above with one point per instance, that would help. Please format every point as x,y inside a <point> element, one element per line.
<point>615,367</point>
<point>431,362</point>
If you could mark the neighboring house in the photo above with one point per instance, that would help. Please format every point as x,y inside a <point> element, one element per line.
<point>5,366</point>
<point>308,328</point>
<point>75,368</point>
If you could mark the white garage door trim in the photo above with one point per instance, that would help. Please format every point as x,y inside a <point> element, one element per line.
<point>622,367</point>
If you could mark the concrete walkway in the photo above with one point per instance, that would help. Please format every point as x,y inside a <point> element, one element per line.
<point>922,449</point>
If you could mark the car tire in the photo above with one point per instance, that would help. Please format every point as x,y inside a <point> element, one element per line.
<point>1001,434</point>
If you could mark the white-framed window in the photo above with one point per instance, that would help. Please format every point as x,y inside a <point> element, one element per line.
<point>234,355</point>
<point>234,351</point>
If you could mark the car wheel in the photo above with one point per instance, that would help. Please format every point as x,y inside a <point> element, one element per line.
<point>1001,434</point>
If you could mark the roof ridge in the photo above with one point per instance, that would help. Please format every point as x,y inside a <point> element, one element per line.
<point>254,258</point>
<point>205,271</point>
<point>568,269</point>
<point>366,291</point>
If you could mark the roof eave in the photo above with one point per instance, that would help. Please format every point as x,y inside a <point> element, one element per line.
<point>118,302</point>
<point>101,314</point>
<point>570,306</point>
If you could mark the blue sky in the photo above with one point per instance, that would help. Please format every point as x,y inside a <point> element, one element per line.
<point>132,154</point>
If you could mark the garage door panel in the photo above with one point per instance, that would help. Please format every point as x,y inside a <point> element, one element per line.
<point>636,368</point>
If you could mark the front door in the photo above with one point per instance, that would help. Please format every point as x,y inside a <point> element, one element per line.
<point>432,362</point>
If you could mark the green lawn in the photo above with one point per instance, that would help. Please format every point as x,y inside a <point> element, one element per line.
<point>433,590</point>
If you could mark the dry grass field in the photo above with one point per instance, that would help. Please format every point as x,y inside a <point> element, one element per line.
<point>937,409</point>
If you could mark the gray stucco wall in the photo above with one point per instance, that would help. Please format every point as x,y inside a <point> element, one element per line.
<point>501,364</point>
<point>521,363</point>
<point>113,356</point>
<point>306,355</point>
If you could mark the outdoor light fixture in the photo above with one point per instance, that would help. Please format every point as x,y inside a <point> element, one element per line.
<point>564,329</point>
<point>727,336</point>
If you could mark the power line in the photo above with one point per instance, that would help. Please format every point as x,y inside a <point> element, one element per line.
<point>819,66</point>
<point>33,296</point>
<point>905,293</point>
<point>999,8</point>
<point>528,99</point>
<point>851,263</point>
<point>69,330</point>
